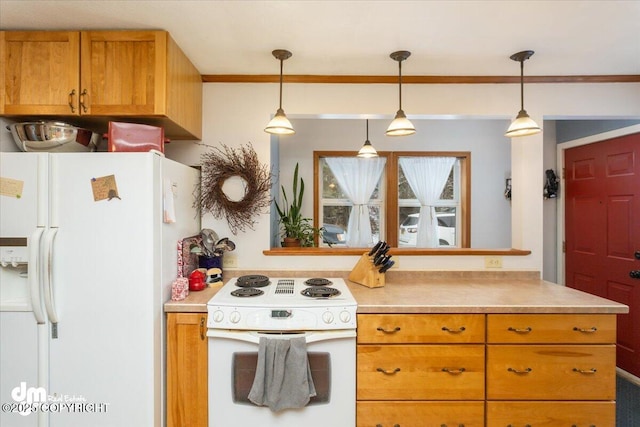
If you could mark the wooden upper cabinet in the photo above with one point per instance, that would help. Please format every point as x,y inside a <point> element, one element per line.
<point>111,74</point>
<point>41,72</point>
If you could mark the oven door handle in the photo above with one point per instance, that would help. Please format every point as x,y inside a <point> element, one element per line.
<point>254,337</point>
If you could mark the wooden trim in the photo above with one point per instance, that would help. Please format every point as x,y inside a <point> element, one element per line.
<point>359,79</point>
<point>393,251</point>
<point>391,189</point>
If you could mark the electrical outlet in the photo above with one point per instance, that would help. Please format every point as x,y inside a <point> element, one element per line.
<point>229,261</point>
<point>493,262</point>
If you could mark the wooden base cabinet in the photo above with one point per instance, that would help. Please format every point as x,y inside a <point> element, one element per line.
<point>494,370</point>
<point>420,370</point>
<point>551,370</point>
<point>91,77</point>
<point>187,372</point>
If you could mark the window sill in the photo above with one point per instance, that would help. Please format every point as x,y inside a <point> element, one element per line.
<point>394,251</point>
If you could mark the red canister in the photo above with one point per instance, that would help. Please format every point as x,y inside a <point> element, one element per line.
<point>197,281</point>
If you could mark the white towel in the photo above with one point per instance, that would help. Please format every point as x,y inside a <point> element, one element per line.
<point>283,376</point>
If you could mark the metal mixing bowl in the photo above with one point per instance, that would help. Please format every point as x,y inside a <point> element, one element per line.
<point>53,136</point>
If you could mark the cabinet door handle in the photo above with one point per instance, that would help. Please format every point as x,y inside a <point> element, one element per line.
<point>384,371</point>
<point>517,371</point>
<point>71,95</point>
<point>453,371</point>
<point>82,103</point>
<point>585,371</point>
<point>520,330</point>
<point>454,331</point>
<point>585,330</point>
<point>386,331</point>
<point>203,335</point>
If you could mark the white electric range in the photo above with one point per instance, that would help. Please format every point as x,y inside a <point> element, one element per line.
<point>247,308</point>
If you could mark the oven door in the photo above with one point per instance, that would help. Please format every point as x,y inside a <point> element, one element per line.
<point>232,362</point>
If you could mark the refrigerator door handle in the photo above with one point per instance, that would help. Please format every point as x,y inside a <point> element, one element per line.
<point>49,301</point>
<point>34,275</point>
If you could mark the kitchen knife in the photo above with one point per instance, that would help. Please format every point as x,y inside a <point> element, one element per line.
<point>381,253</point>
<point>380,249</point>
<point>382,260</point>
<point>386,266</point>
<point>379,256</point>
<point>375,248</point>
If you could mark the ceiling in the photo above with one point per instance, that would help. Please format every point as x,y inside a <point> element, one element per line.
<point>446,38</point>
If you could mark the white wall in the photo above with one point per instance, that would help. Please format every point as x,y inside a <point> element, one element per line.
<point>236,114</point>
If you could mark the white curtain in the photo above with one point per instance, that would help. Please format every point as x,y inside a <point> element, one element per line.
<point>427,177</point>
<point>357,178</point>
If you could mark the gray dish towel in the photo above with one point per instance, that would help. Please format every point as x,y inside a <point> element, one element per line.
<point>283,376</point>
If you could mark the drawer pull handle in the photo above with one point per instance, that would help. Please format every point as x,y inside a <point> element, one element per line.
<point>520,330</point>
<point>585,371</point>
<point>453,371</point>
<point>454,331</point>
<point>383,330</point>
<point>516,371</point>
<point>203,330</point>
<point>526,425</point>
<point>71,95</point>
<point>384,371</point>
<point>444,425</point>
<point>380,425</point>
<point>585,330</point>
<point>83,95</point>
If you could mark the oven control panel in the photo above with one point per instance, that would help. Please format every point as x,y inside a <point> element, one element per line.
<point>270,319</point>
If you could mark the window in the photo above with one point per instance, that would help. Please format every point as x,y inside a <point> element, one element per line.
<point>401,188</point>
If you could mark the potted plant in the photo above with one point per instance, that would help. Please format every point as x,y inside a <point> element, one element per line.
<point>296,230</point>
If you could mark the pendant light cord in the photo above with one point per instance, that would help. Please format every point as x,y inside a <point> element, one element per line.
<point>521,85</point>
<point>281,68</point>
<point>367,130</point>
<point>400,84</point>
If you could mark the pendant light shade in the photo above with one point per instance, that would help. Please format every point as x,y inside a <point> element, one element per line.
<point>280,125</point>
<point>367,150</point>
<point>400,126</point>
<point>523,125</point>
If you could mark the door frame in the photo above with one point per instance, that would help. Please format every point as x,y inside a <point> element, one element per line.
<point>560,149</point>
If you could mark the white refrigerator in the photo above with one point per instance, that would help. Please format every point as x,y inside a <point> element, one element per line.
<point>88,247</point>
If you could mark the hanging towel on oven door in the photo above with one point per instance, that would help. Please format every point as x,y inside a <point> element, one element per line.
<point>283,376</point>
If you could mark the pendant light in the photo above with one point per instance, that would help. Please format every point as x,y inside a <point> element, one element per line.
<point>400,126</point>
<point>367,151</point>
<point>523,125</point>
<point>280,125</point>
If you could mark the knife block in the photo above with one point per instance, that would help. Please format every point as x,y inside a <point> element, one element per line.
<point>366,274</point>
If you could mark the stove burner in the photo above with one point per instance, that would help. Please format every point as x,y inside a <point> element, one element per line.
<point>320,292</point>
<point>252,281</point>
<point>316,281</point>
<point>247,292</point>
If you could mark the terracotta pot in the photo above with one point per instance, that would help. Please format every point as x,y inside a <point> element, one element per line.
<point>291,242</point>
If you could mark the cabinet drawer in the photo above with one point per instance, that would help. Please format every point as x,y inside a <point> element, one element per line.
<point>597,414</point>
<point>421,328</point>
<point>420,372</point>
<point>420,414</point>
<point>551,372</point>
<point>552,328</point>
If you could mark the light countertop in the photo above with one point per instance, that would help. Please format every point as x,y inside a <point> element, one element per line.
<point>445,292</point>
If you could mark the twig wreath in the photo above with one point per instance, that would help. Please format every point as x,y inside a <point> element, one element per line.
<point>223,163</point>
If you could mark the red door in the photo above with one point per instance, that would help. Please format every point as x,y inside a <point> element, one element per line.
<point>602,226</point>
